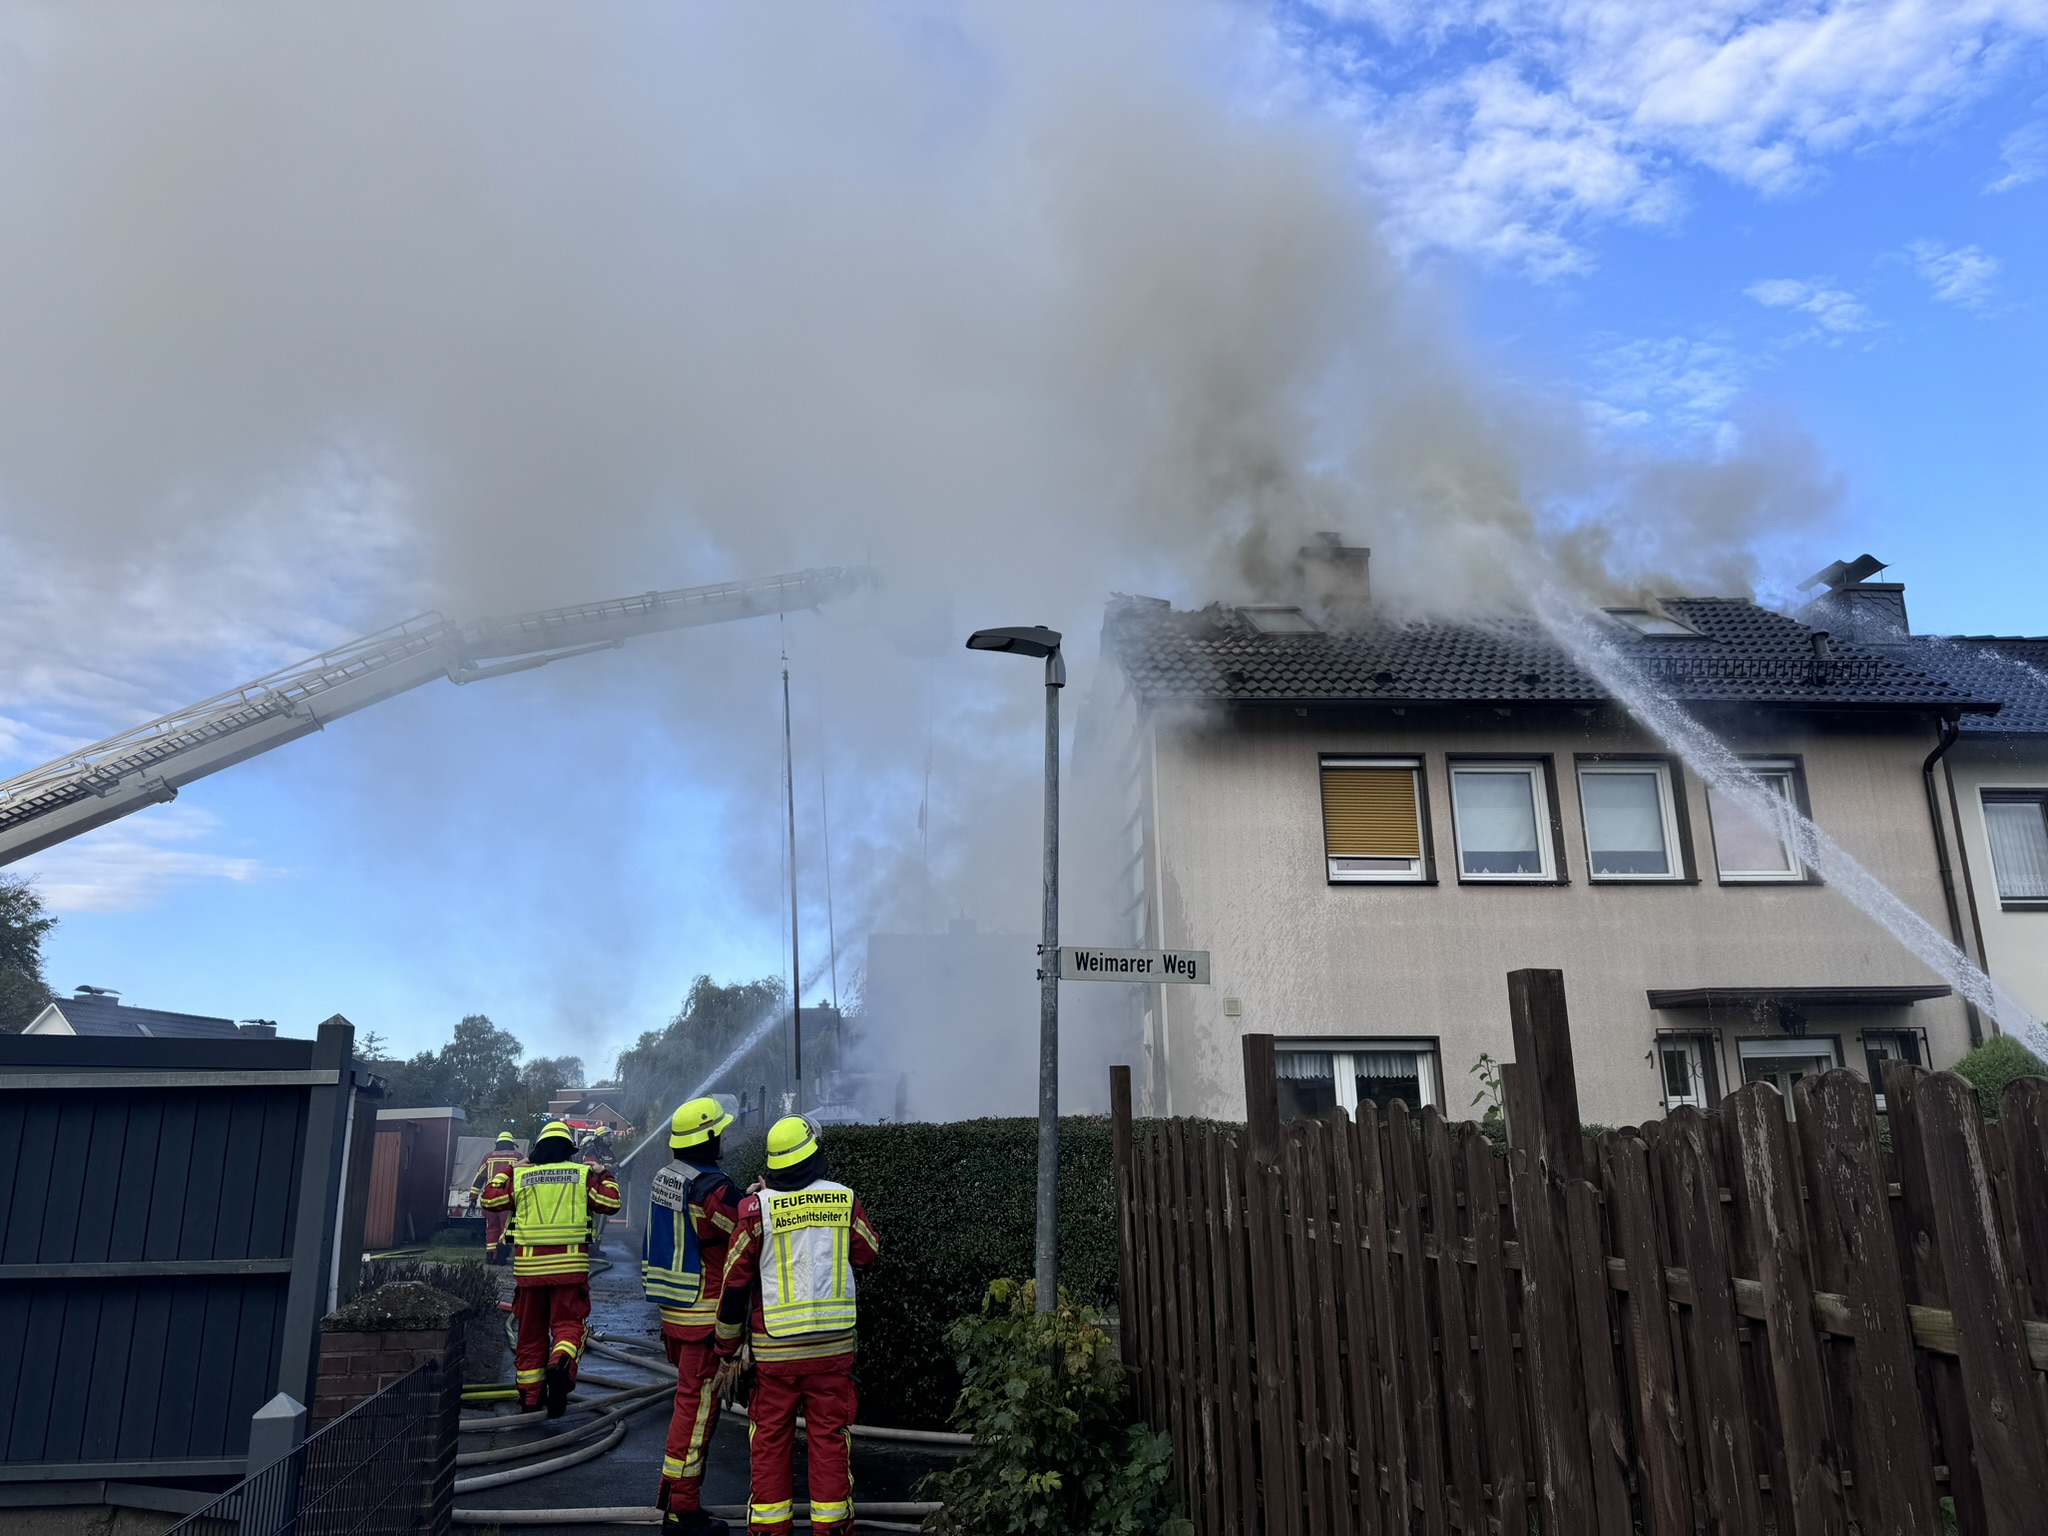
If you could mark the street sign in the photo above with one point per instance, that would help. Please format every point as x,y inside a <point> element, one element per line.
<point>1182,965</point>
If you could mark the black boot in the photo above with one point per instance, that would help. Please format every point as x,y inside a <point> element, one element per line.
<point>557,1388</point>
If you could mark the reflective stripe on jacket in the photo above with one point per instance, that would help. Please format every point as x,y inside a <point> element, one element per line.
<point>806,1274</point>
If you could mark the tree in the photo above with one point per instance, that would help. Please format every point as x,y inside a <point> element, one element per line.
<point>24,924</point>
<point>665,1064</point>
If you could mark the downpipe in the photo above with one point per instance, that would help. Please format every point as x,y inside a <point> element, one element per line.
<point>1948,735</point>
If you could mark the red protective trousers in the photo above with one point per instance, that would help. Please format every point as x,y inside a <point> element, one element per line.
<point>551,1318</point>
<point>691,1426</point>
<point>823,1392</point>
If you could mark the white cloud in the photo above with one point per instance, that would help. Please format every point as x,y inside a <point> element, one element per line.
<point>2025,157</point>
<point>135,863</point>
<point>1962,275</point>
<point>1676,391</point>
<point>1542,115</point>
<point>1834,310</point>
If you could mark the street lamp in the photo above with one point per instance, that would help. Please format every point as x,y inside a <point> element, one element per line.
<point>1037,640</point>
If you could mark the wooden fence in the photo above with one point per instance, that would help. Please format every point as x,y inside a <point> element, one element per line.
<point>1716,1322</point>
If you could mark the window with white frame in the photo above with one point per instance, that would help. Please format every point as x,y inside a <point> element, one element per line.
<point>1749,847</point>
<point>1685,1067</point>
<point>2016,822</point>
<point>1314,1078</point>
<point>1631,821</point>
<point>1372,818</point>
<point>1503,821</point>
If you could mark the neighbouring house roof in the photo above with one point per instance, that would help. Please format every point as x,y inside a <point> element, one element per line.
<point>86,1014</point>
<point>2010,668</point>
<point>1741,653</point>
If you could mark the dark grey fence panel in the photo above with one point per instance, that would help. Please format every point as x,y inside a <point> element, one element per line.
<point>167,1231</point>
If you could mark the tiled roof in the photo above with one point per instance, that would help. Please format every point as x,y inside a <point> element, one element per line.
<point>2012,669</point>
<point>1742,653</point>
<point>88,1015</point>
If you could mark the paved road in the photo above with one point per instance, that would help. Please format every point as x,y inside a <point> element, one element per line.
<point>631,1472</point>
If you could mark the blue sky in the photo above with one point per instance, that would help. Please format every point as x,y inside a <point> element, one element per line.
<point>1692,229</point>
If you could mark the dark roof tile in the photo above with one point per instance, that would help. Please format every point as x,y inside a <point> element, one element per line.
<point>1742,653</point>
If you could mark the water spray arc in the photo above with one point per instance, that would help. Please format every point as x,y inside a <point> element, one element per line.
<point>1727,775</point>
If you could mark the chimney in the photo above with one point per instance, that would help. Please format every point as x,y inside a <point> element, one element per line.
<point>1335,576</point>
<point>1869,612</point>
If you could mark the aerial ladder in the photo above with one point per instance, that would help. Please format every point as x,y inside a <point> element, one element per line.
<point>149,764</point>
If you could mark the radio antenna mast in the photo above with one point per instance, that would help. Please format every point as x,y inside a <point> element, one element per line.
<point>796,975</point>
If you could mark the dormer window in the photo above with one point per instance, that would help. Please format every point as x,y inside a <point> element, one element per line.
<point>1647,621</point>
<point>1280,621</point>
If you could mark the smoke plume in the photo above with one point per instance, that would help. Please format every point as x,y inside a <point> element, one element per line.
<point>1022,304</point>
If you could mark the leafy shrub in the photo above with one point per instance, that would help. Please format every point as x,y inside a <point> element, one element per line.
<point>1998,1061</point>
<point>955,1207</point>
<point>1056,1451</point>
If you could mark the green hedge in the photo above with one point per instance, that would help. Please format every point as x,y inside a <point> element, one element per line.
<point>955,1207</point>
<point>1997,1062</point>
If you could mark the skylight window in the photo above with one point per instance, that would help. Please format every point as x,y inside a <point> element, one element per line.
<point>1280,621</point>
<point>1645,621</point>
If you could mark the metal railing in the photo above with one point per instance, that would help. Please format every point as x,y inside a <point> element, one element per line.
<point>369,1473</point>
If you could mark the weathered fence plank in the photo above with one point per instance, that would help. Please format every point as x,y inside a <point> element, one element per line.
<point>1334,1449</point>
<point>1243,1371</point>
<point>1467,1459</point>
<point>1610,1452</point>
<point>1659,1416</point>
<point>1720,1411</point>
<point>1308,1365</point>
<point>1404,1219</point>
<point>1926,1284</point>
<point>1849,1211</point>
<point>1506,1467</point>
<point>1348,1192</point>
<point>1390,1397</point>
<point>1120,1162</point>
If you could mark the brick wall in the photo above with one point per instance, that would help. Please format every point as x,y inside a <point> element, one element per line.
<point>381,1337</point>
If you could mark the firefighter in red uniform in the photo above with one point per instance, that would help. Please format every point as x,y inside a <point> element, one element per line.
<point>692,1210</point>
<point>502,1158</point>
<point>551,1198</point>
<point>791,1265</point>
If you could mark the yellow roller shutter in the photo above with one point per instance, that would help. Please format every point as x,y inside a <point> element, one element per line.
<point>1370,813</point>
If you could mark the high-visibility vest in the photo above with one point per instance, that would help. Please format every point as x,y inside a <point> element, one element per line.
<point>671,1264</point>
<point>806,1269</point>
<point>551,1203</point>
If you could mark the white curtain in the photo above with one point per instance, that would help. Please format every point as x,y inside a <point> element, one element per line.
<point>2019,848</point>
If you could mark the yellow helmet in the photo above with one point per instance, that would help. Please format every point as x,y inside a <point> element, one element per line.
<point>790,1140</point>
<point>555,1128</point>
<point>504,1138</point>
<point>696,1123</point>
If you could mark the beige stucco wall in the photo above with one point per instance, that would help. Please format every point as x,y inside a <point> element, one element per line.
<point>2015,943</point>
<point>1240,872</point>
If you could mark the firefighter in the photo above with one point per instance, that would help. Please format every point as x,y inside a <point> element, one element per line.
<point>789,1273</point>
<point>692,1210</point>
<point>551,1198</point>
<point>502,1158</point>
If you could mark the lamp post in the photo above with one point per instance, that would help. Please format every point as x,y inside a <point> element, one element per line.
<point>1037,640</point>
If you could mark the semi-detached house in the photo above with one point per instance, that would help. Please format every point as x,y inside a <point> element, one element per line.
<point>1368,823</point>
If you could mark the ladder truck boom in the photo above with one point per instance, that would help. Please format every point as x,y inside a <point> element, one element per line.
<point>150,763</point>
